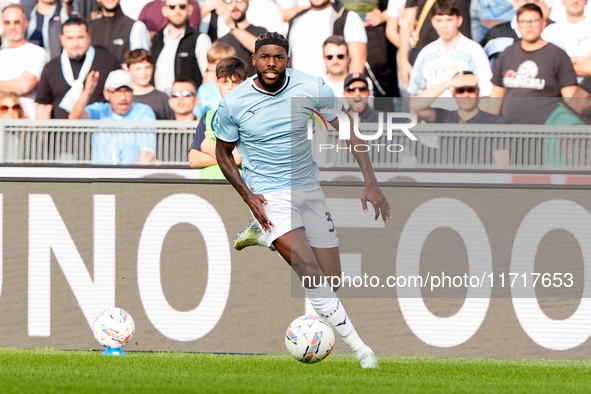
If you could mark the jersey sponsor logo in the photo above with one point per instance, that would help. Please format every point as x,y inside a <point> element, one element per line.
<point>525,77</point>
<point>216,123</point>
<point>253,111</point>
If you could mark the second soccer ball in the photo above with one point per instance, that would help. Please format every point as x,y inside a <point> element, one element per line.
<point>309,339</point>
<point>113,328</point>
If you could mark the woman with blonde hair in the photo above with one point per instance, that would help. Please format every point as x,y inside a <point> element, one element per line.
<point>10,106</point>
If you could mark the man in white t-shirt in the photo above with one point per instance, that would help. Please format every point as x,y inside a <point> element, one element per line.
<point>309,29</point>
<point>450,54</point>
<point>21,63</point>
<point>336,59</point>
<point>572,35</point>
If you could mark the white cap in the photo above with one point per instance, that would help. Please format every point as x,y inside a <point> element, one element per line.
<point>118,79</point>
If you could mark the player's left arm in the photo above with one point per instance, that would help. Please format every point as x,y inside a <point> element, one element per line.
<point>227,135</point>
<point>371,191</point>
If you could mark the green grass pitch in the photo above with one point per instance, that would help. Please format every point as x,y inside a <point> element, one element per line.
<point>52,371</point>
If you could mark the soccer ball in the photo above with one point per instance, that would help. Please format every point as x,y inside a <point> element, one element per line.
<point>113,328</point>
<point>309,339</point>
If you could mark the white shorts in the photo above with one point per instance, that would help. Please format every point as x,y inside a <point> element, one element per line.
<point>305,207</point>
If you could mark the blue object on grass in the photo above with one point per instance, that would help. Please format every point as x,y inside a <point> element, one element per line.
<point>114,352</point>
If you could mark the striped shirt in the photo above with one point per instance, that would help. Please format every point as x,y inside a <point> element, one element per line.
<point>434,67</point>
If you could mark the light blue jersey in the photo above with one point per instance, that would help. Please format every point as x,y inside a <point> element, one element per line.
<point>120,148</point>
<point>271,139</point>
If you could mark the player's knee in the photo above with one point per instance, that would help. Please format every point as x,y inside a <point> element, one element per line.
<point>310,273</point>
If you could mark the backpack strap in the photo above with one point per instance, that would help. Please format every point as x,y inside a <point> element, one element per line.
<point>338,28</point>
<point>417,32</point>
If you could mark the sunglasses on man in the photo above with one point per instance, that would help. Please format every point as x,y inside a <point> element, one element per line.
<point>182,93</point>
<point>339,56</point>
<point>181,6</point>
<point>5,108</point>
<point>352,89</point>
<point>466,89</point>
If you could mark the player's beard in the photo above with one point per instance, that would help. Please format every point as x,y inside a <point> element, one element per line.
<point>271,87</point>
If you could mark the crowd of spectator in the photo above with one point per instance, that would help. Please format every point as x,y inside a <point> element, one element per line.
<point>156,59</point>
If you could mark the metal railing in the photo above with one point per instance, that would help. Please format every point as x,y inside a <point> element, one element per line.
<point>468,146</point>
<point>69,141</point>
<point>460,146</point>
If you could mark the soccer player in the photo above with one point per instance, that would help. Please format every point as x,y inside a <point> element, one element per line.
<point>279,182</point>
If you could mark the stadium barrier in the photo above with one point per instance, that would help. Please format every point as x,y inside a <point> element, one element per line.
<point>439,146</point>
<point>469,146</point>
<point>161,249</point>
<point>69,141</point>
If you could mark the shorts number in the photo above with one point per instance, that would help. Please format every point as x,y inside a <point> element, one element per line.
<point>329,219</point>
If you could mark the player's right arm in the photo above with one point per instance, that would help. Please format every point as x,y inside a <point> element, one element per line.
<point>227,135</point>
<point>228,166</point>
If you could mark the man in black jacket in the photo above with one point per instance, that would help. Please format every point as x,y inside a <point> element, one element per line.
<point>180,52</point>
<point>45,23</point>
<point>117,32</point>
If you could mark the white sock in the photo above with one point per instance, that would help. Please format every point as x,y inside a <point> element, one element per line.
<point>328,306</point>
<point>308,308</point>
